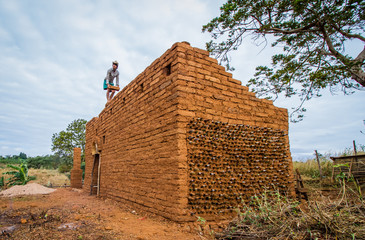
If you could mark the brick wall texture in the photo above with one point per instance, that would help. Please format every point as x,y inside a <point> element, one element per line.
<point>76,172</point>
<point>185,139</point>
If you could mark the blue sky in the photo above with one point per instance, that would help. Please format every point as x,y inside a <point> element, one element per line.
<point>55,54</point>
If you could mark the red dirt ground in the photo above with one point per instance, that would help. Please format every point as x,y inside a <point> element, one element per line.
<point>72,214</point>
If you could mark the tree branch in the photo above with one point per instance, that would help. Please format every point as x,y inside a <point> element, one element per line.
<point>348,35</point>
<point>357,73</point>
<point>298,30</point>
<point>298,109</point>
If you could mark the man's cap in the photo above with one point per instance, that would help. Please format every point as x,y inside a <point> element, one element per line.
<point>115,63</point>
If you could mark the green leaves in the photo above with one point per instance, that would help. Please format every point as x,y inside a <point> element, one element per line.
<point>2,182</point>
<point>313,36</point>
<point>20,176</point>
<point>65,141</point>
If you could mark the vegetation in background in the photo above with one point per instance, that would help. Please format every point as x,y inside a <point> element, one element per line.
<point>313,36</point>
<point>20,176</point>
<point>38,162</point>
<point>310,168</point>
<point>47,162</point>
<point>46,177</point>
<point>2,182</point>
<point>15,159</point>
<point>63,144</point>
<point>50,177</point>
<point>65,141</point>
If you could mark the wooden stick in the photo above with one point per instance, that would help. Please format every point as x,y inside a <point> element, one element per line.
<point>319,165</point>
<point>354,144</point>
<point>352,159</point>
<point>98,183</point>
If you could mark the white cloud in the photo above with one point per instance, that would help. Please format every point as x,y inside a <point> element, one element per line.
<point>55,54</point>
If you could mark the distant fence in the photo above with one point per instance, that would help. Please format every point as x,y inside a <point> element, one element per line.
<point>354,164</point>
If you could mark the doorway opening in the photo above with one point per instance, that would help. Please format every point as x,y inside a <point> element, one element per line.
<point>95,176</point>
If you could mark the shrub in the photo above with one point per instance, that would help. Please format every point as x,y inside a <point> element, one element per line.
<point>20,176</point>
<point>2,182</point>
<point>64,167</point>
<point>273,216</point>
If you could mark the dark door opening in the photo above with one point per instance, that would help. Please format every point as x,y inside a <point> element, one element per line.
<point>95,176</point>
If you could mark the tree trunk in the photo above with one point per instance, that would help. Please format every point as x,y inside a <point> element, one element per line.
<point>357,73</point>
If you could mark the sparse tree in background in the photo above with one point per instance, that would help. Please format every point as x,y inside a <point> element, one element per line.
<point>22,155</point>
<point>312,33</point>
<point>64,142</point>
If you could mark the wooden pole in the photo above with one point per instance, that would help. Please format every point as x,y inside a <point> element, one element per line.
<point>352,159</point>
<point>319,165</point>
<point>98,184</point>
<point>354,144</point>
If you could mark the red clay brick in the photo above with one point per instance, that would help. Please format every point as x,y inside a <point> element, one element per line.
<point>164,147</point>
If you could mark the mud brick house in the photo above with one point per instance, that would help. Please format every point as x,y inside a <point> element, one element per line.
<point>185,139</point>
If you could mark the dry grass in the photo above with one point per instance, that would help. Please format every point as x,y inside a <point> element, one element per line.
<point>309,169</point>
<point>335,210</point>
<point>276,217</point>
<point>46,177</point>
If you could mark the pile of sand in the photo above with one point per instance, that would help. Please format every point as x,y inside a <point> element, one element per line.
<point>29,189</point>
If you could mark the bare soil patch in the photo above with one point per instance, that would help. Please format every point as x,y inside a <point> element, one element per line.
<point>73,214</point>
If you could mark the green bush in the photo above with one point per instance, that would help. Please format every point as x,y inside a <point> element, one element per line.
<point>20,176</point>
<point>47,162</point>
<point>10,160</point>
<point>64,168</point>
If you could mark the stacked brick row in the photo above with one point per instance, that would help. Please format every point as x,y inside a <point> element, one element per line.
<point>150,136</point>
<point>76,172</point>
<point>230,163</point>
<point>137,136</point>
<point>215,109</point>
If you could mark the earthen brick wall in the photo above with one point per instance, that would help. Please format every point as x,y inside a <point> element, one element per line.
<point>184,138</point>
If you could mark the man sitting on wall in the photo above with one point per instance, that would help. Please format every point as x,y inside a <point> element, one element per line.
<point>108,81</point>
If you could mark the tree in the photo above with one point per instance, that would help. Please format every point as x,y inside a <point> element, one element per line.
<point>64,142</point>
<point>22,155</point>
<point>312,33</point>
<point>47,161</point>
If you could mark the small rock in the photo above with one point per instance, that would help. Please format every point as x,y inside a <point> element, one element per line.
<point>108,228</point>
<point>8,229</point>
<point>69,226</point>
<point>23,221</point>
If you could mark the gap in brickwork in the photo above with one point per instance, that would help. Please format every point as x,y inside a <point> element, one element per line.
<point>141,87</point>
<point>230,163</point>
<point>167,70</point>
